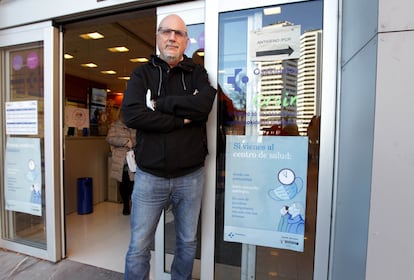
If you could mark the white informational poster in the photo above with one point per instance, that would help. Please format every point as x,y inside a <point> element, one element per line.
<point>21,118</point>
<point>23,175</point>
<point>76,117</point>
<point>265,190</point>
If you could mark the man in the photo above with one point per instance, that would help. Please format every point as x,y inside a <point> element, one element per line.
<point>168,101</point>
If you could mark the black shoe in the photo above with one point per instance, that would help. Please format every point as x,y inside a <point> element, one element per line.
<point>126,212</point>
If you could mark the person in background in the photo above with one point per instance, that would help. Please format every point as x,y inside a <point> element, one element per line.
<point>122,139</point>
<point>168,102</point>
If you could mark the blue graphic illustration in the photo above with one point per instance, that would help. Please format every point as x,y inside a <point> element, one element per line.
<point>289,188</point>
<point>291,219</point>
<point>284,217</point>
<point>35,196</point>
<point>32,174</point>
<point>33,171</point>
<point>238,80</point>
<point>296,223</point>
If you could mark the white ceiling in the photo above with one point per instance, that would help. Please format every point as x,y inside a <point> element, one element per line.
<point>135,30</point>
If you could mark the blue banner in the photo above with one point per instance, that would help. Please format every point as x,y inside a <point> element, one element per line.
<point>265,190</point>
<point>23,175</point>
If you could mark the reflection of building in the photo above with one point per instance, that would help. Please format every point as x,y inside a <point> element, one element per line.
<point>309,78</point>
<point>290,89</point>
<point>277,101</point>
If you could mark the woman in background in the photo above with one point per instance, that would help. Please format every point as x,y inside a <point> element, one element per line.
<point>122,139</point>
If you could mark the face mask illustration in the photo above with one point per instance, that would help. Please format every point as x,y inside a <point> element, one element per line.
<point>289,186</point>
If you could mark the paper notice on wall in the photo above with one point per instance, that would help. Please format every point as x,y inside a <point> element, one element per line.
<point>76,117</point>
<point>21,118</point>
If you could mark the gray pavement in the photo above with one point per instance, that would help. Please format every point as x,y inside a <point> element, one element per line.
<point>15,266</point>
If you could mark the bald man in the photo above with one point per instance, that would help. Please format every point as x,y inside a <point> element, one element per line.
<point>168,102</point>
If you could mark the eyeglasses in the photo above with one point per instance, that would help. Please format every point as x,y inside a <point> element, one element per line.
<point>167,32</point>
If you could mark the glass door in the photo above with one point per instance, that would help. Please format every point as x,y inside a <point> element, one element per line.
<point>30,189</point>
<point>271,80</point>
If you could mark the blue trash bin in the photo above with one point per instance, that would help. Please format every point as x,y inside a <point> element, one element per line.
<point>85,195</point>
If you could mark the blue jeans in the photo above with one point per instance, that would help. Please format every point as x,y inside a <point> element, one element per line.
<point>151,195</point>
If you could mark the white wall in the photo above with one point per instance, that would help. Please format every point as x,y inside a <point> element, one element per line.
<point>39,10</point>
<point>391,228</point>
<point>396,15</point>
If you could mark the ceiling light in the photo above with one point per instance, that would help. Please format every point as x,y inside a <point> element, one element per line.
<point>92,35</point>
<point>123,78</point>
<point>272,274</point>
<point>274,253</point>
<point>139,59</point>
<point>90,65</point>
<point>272,11</point>
<point>118,49</point>
<point>68,56</point>
<point>109,72</point>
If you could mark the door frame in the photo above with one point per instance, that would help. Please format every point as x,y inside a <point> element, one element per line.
<point>193,12</point>
<point>42,32</point>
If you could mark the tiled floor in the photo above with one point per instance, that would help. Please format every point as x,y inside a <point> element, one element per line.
<point>100,238</point>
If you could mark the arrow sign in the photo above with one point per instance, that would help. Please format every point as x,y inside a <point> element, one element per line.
<point>275,43</point>
<point>287,51</point>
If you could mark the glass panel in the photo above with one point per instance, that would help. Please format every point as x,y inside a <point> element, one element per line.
<point>195,50</point>
<point>269,85</point>
<point>24,149</point>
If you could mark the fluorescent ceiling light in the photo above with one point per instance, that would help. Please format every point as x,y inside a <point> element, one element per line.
<point>139,59</point>
<point>92,35</point>
<point>68,56</point>
<point>123,78</point>
<point>90,65</point>
<point>109,72</point>
<point>118,49</point>
<point>272,11</point>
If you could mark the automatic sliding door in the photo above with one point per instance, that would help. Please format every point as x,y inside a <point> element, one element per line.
<point>30,216</point>
<point>270,62</point>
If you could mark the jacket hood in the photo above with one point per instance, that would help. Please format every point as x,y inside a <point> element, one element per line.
<point>186,64</point>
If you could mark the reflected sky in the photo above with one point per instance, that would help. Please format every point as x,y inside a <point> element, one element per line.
<point>308,14</point>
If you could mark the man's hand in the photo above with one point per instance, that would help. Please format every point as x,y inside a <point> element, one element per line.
<point>186,121</point>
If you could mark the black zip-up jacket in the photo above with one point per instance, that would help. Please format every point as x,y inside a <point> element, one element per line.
<point>165,146</point>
